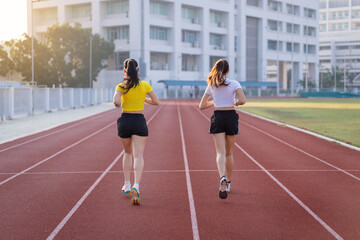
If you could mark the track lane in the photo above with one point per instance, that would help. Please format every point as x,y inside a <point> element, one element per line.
<point>35,202</point>
<point>340,156</point>
<point>164,211</point>
<point>20,158</point>
<point>321,190</point>
<point>255,209</point>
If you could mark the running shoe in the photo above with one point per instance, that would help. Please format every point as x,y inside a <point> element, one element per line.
<point>228,185</point>
<point>135,196</point>
<point>126,188</point>
<point>222,188</point>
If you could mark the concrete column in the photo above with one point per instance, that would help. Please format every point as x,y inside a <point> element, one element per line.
<point>96,16</point>
<point>60,99</point>
<point>81,93</point>
<point>11,102</point>
<point>205,38</point>
<point>231,42</point>
<point>47,100</point>
<point>31,100</point>
<point>176,37</point>
<point>72,98</point>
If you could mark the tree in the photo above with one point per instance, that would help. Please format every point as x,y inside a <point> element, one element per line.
<point>328,78</point>
<point>20,55</point>
<point>70,47</point>
<point>6,65</point>
<point>311,84</point>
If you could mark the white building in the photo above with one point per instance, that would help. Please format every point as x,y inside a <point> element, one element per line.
<point>182,39</point>
<point>339,40</point>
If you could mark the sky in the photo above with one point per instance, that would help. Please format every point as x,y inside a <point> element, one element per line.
<point>13,19</point>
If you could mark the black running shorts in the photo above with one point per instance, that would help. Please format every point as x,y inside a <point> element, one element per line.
<point>132,124</point>
<point>226,121</point>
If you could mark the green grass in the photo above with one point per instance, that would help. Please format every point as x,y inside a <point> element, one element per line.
<point>341,123</point>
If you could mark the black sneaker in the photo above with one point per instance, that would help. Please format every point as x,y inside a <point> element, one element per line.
<point>222,188</point>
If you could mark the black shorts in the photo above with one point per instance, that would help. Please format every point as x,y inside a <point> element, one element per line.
<point>132,124</point>
<point>226,121</point>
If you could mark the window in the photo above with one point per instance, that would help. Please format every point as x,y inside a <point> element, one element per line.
<point>254,3</point>
<point>188,13</point>
<point>216,17</point>
<point>159,61</point>
<point>325,48</point>
<point>188,36</point>
<point>117,7</point>
<point>322,27</point>
<point>216,40</point>
<point>338,3</point>
<point>323,16</point>
<point>297,47</point>
<point>118,33</point>
<point>325,61</point>
<point>289,28</point>
<point>120,58</point>
<point>81,11</point>
<point>322,4</point>
<point>274,25</point>
<point>275,5</point>
<point>355,2</point>
<point>158,33</point>
<point>158,8</point>
<point>272,45</point>
<point>289,47</point>
<point>355,14</point>
<point>293,9</point>
<point>48,15</point>
<point>342,47</point>
<point>310,13</point>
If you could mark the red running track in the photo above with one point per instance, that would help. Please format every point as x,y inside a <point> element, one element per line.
<point>65,183</point>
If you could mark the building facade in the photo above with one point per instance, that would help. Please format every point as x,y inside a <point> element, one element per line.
<point>339,37</point>
<point>263,40</point>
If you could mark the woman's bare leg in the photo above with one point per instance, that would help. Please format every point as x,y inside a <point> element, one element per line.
<point>127,158</point>
<point>219,139</point>
<point>230,142</point>
<point>138,146</point>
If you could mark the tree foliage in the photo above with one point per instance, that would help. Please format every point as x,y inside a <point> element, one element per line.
<point>63,59</point>
<point>20,54</point>
<point>6,65</point>
<point>70,47</point>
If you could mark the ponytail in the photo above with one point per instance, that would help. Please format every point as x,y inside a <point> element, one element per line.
<point>131,79</point>
<point>217,74</point>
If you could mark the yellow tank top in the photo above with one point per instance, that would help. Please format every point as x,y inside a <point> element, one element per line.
<point>134,99</point>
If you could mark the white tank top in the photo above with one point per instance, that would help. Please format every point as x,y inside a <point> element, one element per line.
<point>224,96</point>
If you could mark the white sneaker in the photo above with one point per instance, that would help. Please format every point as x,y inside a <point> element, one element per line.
<point>126,188</point>
<point>222,188</point>
<point>228,185</point>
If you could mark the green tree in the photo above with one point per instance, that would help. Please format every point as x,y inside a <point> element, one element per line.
<point>6,65</point>
<point>310,82</point>
<point>70,46</point>
<point>20,55</point>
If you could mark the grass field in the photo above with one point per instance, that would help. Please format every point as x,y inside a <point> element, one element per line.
<point>335,118</point>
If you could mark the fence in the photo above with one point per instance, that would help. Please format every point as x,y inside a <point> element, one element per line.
<point>25,101</point>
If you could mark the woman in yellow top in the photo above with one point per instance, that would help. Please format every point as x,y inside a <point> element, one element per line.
<point>132,128</point>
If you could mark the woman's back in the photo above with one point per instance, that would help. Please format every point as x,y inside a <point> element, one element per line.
<point>133,99</point>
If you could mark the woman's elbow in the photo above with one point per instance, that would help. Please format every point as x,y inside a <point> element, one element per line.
<point>157,102</point>
<point>242,102</point>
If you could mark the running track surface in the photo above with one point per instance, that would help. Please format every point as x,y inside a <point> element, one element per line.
<point>65,183</point>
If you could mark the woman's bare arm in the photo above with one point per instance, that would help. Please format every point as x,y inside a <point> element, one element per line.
<point>153,100</point>
<point>205,103</point>
<point>117,98</point>
<point>241,97</point>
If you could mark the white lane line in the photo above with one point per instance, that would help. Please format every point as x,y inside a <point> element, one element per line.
<point>82,199</point>
<point>49,134</point>
<point>181,171</point>
<point>301,130</point>
<point>188,183</point>
<point>302,151</point>
<point>303,205</point>
<point>54,155</point>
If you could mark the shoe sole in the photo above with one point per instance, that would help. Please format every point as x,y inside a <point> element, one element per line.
<point>125,191</point>
<point>135,200</point>
<point>222,191</point>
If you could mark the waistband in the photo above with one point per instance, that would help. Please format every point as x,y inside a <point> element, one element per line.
<point>224,111</point>
<point>132,114</point>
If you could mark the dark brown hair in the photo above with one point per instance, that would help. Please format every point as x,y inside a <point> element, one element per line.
<point>131,78</point>
<point>217,74</point>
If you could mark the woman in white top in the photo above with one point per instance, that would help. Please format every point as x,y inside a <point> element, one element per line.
<point>224,122</point>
